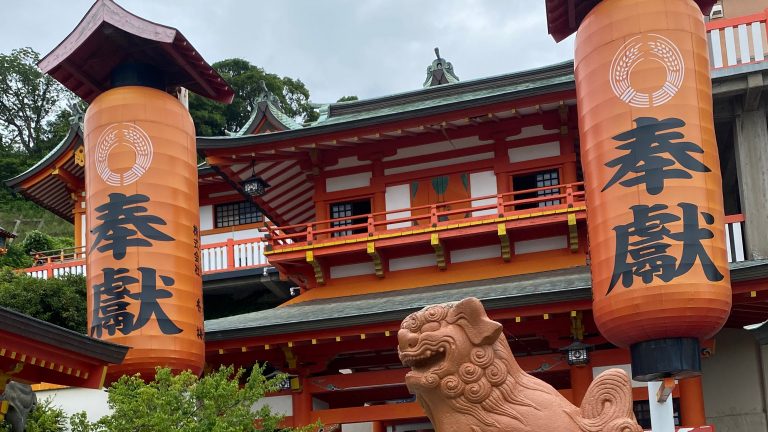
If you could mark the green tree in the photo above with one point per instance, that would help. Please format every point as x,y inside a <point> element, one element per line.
<point>348,99</point>
<point>44,418</point>
<point>37,241</point>
<point>29,100</point>
<point>219,401</point>
<point>59,300</point>
<point>212,118</point>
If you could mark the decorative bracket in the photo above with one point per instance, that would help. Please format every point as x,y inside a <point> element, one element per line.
<point>319,276</point>
<point>665,390</point>
<point>439,251</point>
<point>573,232</point>
<point>506,248</point>
<point>371,249</point>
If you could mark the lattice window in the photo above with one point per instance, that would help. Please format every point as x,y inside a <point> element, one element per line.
<point>239,213</point>
<point>548,178</point>
<point>347,210</point>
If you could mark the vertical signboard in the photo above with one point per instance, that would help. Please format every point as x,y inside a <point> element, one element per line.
<point>655,206</point>
<point>144,277</point>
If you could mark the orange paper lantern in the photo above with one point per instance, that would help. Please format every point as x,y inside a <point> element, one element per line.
<point>655,206</point>
<point>144,274</point>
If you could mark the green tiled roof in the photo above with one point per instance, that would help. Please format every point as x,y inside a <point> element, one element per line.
<point>426,101</point>
<point>512,291</point>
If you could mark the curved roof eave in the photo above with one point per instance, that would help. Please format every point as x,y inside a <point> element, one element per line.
<point>74,131</point>
<point>561,70</point>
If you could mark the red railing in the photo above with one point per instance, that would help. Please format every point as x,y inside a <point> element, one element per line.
<point>529,202</point>
<point>737,41</point>
<point>224,256</point>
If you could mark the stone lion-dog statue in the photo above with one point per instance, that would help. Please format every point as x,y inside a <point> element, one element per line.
<point>467,380</point>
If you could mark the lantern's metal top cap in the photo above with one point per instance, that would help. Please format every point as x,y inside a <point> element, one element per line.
<point>109,36</point>
<point>565,16</point>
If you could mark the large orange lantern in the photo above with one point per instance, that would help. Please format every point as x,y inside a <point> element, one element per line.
<point>144,275</point>
<point>143,244</point>
<point>655,207</point>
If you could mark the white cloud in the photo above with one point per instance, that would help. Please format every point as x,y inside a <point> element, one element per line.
<point>341,47</point>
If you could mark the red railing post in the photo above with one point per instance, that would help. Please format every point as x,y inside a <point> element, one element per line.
<point>230,253</point>
<point>371,226</point>
<point>49,269</point>
<point>500,205</point>
<point>310,234</point>
<point>433,215</point>
<point>569,195</point>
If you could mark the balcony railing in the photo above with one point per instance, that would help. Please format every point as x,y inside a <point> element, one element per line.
<point>548,200</point>
<point>216,257</point>
<point>737,41</point>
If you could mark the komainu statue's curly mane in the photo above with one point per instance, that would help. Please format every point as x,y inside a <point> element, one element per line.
<point>466,378</point>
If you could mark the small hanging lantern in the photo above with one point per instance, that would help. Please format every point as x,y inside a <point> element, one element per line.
<point>255,185</point>
<point>578,353</point>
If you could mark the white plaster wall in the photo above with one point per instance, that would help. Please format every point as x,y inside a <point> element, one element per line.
<point>483,184</point>
<point>395,198</point>
<point>352,270</point>
<point>412,262</point>
<point>540,245</point>
<point>532,131</point>
<point>282,404</point>
<point>235,235</point>
<point>206,217</point>
<point>734,397</point>
<point>74,400</point>
<point>531,152</point>
<point>436,148</point>
<point>439,163</point>
<point>474,254</point>
<point>352,181</point>
<point>347,162</point>
<point>357,427</point>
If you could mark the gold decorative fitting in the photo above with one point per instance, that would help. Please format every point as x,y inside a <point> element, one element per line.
<point>80,156</point>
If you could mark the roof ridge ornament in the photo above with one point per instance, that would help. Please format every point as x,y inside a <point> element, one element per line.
<point>266,95</point>
<point>440,72</point>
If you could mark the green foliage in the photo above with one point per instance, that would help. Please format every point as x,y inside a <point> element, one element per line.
<point>15,257</point>
<point>185,403</point>
<point>37,241</point>
<point>29,100</point>
<point>44,418</point>
<point>347,99</point>
<point>60,300</point>
<point>213,118</point>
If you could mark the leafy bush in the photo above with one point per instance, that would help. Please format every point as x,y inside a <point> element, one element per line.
<point>15,257</point>
<point>44,418</point>
<point>60,301</point>
<point>216,402</point>
<point>37,241</point>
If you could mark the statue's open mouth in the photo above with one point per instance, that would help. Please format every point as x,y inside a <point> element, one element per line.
<point>424,359</point>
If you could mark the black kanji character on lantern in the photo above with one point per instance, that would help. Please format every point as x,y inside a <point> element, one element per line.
<point>642,246</point>
<point>200,333</point>
<point>121,220</point>
<point>110,305</point>
<point>148,301</point>
<point>653,148</point>
<point>199,305</point>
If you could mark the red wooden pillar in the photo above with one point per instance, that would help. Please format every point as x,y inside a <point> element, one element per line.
<point>581,378</point>
<point>379,427</point>
<point>692,402</point>
<point>302,406</point>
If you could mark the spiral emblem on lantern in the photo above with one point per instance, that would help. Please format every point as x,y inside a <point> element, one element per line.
<point>650,47</point>
<point>127,134</point>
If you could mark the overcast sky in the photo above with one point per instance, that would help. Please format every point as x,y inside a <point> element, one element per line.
<point>336,47</point>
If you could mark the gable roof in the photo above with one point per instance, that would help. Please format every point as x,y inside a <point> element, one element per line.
<point>108,35</point>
